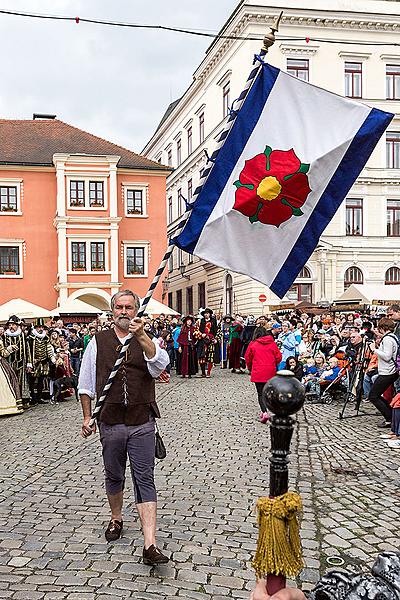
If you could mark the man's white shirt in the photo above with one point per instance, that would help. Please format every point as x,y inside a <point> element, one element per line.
<point>87,375</point>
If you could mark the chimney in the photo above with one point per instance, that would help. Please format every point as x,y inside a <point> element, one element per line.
<point>43,116</point>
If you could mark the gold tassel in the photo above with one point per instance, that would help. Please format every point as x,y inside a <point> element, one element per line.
<point>279,547</point>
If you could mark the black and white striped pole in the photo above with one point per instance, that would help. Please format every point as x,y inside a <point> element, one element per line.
<point>268,42</point>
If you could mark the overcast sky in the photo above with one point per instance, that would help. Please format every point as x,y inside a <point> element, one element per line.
<point>113,82</point>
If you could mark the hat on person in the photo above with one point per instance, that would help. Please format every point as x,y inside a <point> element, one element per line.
<point>191,317</point>
<point>276,326</point>
<point>203,312</point>
<point>40,323</point>
<point>227,317</point>
<point>14,319</point>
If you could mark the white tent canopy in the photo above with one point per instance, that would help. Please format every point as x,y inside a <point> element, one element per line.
<point>370,294</point>
<point>22,309</point>
<point>75,307</point>
<point>155,307</point>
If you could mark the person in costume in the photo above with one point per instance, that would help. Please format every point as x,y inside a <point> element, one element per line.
<point>206,335</point>
<point>10,395</point>
<point>235,344</point>
<point>42,356</point>
<point>247,336</point>
<point>187,347</point>
<point>225,331</point>
<point>20,359</point>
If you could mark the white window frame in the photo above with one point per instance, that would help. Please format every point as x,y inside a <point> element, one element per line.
<point>86,179</point>
<point>136,244</point>
<point>8,182</point>
<point>144,188</point>
<point>87,239</point>
<point>19,244</point>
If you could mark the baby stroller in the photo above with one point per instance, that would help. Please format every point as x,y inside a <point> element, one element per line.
<point>336,390</point>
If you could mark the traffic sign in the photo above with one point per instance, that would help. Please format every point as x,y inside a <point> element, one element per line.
<point>262,298</point>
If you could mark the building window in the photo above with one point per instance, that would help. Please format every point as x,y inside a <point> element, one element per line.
<point>170,209</point>
<point>171,263</point>
<point>179,257</point>
<point>229,295</point>
<point>201,293</point>
<point>135,260</point>
<point>96,193</point>
<point>392,276</point>
<point>354,217</point>
<point>179,152</point>
<point>353,275</point>
<point>169,157</point>
<point>9,260</point>
<point>353,79</point>
<point>77,193</point>
<point>300,292</point>
<point>179,301</point>
<point>170,300</point>
<point>8,199</point>
<point>134,202</point>
<point>190,190</point>
<point>97,256</point>
<point>78,253</point>
<point>392,150</point>
<point>189,140</point>
<point>298,68</point>
<point>226,95</point>
<point>189,300</point>
<point>180,202</point>
<point>201,127</point>
<point>393,218</point>
<point>393,82</point>
<point>304,273</point>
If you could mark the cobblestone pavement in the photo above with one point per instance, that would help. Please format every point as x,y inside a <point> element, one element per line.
<point>53,510</point>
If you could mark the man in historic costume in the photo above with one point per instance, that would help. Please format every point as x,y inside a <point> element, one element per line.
<point>187,348</point>
<point>42,355</point>
<point>126,422</point>
<point>206,335</point>
<point>20,359</point>
<point>225,332</point>
<point>247,336</point>
<point>235,344</point>
<point>10,395</point>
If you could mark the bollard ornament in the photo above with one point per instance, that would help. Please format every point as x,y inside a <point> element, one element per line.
<point>278,554</point>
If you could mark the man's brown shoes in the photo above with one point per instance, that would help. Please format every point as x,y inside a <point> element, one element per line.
<point>154,556</point>
<point>114,530</point>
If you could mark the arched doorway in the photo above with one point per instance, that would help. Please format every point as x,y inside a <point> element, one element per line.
<point>95,297</point>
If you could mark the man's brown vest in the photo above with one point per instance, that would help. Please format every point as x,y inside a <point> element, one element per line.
<point>134,373</point>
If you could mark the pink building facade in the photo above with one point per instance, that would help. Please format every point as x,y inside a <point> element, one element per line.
<point>79,216</point>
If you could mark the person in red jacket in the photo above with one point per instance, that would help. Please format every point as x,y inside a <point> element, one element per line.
<point>262,358</point>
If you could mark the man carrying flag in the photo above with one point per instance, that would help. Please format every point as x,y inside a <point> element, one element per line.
<point>291,156</point>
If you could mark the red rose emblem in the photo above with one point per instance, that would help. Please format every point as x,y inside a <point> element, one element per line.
<point>272,187</point>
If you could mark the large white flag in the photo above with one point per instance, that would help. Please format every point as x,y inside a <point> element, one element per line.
<point>290,158</point>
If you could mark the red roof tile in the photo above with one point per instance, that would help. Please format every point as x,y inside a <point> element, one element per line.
<point>33,142</point>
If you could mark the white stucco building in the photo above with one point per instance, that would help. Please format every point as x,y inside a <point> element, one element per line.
<point>343,46</point>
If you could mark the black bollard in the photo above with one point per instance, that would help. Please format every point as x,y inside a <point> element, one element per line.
<point>284,396</point>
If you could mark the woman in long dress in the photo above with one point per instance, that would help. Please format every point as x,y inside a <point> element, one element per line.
<point>10,395</point>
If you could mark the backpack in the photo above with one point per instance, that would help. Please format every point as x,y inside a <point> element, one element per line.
<point>397,359</point>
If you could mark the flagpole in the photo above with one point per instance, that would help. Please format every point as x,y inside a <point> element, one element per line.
<point>268,41</point>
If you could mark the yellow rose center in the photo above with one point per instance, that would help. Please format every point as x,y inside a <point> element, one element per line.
<point>269,188</point>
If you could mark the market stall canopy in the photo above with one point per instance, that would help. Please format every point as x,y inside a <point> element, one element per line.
<point>23,310</point>
<point>75,307</point>
<point>156,308</point>
<point>370,294</point>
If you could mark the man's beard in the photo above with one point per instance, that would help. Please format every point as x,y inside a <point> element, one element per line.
<point>123,322</point>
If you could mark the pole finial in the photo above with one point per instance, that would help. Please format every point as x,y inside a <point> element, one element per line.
<point>269,39</point>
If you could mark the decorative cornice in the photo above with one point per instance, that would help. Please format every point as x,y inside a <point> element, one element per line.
<point>298,50</point>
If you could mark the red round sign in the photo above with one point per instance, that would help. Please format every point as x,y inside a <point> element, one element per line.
<point>262,298</point>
